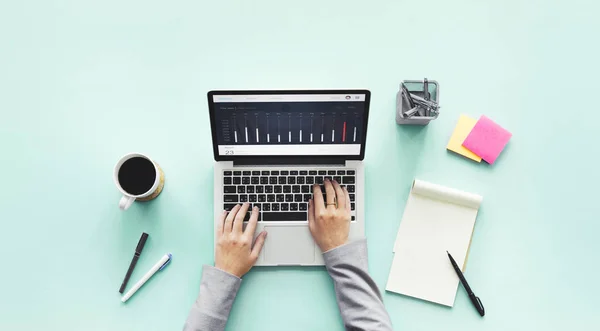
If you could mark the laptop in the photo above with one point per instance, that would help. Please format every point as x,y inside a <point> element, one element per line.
<point>270,147</point>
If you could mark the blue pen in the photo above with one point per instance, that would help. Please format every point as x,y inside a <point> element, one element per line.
<point>160,265</point>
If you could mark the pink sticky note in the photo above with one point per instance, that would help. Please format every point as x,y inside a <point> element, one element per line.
<point>487,139</point>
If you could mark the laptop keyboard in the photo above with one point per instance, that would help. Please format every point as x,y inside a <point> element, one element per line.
<point>281,195</point>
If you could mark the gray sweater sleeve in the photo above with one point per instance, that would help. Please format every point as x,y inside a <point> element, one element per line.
<point>357,295</point>
<point>217,293</point>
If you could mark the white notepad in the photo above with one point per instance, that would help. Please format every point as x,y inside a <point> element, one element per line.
<point>436,219</point>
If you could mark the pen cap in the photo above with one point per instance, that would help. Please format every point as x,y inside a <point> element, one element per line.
<point>141,243</point>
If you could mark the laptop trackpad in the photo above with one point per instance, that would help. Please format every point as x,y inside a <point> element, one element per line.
<point>289,245</point>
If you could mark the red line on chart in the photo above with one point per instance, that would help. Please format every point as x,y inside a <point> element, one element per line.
<point>344,133</point>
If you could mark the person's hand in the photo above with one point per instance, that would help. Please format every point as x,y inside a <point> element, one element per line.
<point>235,253</point>
<point>329,221</point>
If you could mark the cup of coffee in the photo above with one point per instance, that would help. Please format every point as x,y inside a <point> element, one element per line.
<point>138,178</point>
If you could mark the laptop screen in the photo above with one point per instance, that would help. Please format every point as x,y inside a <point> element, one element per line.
<point>320,124</point>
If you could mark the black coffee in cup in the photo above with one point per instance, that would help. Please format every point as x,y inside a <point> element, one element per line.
<point>137,175</point>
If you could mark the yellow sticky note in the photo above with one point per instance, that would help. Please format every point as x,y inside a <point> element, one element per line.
<point>461,131</point>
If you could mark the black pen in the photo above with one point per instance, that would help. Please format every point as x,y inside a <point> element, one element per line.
<point>136,256</point>
<point>474,299</point>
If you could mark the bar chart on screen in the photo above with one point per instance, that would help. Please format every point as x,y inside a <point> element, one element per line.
<point>290,128</point>
<point>248,125</point>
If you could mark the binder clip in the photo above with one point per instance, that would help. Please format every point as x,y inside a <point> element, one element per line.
<point>417,102</point>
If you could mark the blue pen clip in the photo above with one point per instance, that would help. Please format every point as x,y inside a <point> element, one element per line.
<point>165,264</point>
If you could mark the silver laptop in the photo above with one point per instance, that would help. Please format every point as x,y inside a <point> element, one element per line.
<point>270,147</point>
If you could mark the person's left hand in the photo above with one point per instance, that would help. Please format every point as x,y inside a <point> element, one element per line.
<point>235,253</point>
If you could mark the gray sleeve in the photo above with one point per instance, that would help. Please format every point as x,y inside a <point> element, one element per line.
<point>357,295</point>
<point>217,293</point>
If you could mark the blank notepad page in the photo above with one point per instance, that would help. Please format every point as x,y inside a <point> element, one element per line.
<point>436,219</point>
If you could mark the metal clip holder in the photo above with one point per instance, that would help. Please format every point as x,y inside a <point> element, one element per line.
<point>417,102</point>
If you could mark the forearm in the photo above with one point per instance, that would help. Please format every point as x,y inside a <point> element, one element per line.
<point>357,294</point>
<point>218,290</point>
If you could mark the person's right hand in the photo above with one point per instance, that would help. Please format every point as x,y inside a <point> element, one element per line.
<point>329,221</point>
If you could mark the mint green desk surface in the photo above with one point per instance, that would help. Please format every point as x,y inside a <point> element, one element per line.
<point>82,83</point>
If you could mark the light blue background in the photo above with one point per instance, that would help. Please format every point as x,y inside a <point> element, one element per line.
<point>84,82</point>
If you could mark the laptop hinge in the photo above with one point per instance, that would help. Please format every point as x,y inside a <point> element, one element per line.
<point>289,161</point>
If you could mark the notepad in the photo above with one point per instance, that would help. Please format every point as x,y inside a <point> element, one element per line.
<point>461,131</point>
<point>436,219</point>
<point>487,139</point>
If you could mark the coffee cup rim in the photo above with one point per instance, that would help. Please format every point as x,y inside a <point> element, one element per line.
<point>116,175</point>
